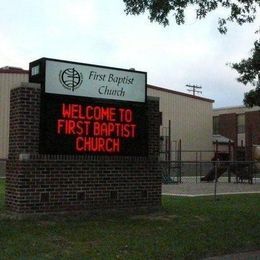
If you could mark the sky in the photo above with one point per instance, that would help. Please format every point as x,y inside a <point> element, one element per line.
<point>99,32</point>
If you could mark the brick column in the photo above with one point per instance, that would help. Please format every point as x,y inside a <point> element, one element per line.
<point>252,129</point>
<point>56,183</point>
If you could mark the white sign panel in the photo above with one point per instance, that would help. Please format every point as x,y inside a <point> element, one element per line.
<point>98,82</point>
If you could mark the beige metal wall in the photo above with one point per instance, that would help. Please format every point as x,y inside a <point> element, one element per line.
<point>191,118</point>
<point>191,121</point>
<point>8,81</point>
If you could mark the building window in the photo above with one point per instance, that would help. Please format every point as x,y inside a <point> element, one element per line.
<point>215,125</point>
<point>241,123</point>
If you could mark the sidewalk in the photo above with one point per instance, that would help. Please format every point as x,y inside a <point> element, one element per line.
<point>254,255</point>
<point>203,189</point>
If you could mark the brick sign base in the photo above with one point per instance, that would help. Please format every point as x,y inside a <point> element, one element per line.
<point>37,183</point>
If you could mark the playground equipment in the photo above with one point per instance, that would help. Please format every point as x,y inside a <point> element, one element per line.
<point>256,155</point>
<point>256,158</point>
<point>220,166</point>
<point>170,162</point>
<point>171,169</point>
<point>243,170</point>
<point>247,170</point>
<point>177,167</point>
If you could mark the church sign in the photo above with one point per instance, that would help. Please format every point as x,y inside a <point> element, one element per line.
<point>90,109</point>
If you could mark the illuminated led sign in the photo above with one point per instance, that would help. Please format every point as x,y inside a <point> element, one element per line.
<point>77,79</point>
<point>82,124</point>
<point>85,126</point>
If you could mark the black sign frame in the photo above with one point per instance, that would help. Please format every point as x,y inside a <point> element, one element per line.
<point>61,144</point>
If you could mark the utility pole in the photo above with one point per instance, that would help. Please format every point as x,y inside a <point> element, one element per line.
<point>193,89</point>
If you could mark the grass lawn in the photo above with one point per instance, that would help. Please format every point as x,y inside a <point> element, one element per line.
<point>187,228</point>
<point>2,193</point>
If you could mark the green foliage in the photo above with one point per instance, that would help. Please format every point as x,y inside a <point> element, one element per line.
<point>252,98</point>
<point>2,193</point>
<point>240,11</point>
<point>249,70</point>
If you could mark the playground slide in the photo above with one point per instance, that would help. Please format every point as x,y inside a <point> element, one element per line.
<point>211,174</point>
<point>243,171</point>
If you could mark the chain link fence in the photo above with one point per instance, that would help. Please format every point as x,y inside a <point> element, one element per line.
<point>208,171</point>
<point>193,173</point>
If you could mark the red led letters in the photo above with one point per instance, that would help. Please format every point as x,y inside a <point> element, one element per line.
<point>96,128</point>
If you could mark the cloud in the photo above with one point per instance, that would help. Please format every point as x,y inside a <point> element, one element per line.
<point>10,55</point>
<point>80,13</point>
<point>99,32</point>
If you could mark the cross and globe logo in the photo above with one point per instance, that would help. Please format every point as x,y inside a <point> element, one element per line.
<point>70,79</point>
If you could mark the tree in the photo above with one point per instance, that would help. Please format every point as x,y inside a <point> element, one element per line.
<point>249,70</point>
<point>240,11</point>
<point>252,98</point>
